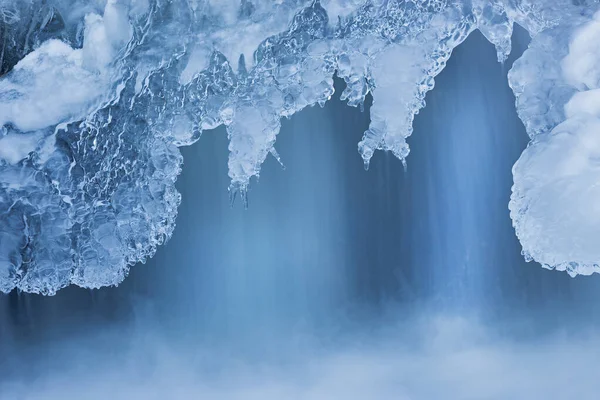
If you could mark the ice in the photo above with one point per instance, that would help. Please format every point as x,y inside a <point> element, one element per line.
<point>402,74</point>
<point>106,35</point>
<point>98,96</point>
<point>340,9</point>
<point>553,205</point>
<point>92,191</point>
<point>56,83</point>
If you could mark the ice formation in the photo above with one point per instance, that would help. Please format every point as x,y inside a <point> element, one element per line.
<point>97,96</point>
<point>554,204</point>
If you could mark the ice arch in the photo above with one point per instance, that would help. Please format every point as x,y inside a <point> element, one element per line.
<point>98,97</point>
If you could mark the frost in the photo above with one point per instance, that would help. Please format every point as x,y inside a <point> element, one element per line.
<point>98,96</point>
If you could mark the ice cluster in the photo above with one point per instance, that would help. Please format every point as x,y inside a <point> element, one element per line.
<point>96,96</point>
<point>554,205</point>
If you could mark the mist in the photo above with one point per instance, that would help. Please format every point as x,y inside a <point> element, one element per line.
<point>433,358</point>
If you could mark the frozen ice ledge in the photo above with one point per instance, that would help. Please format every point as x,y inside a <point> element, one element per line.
<point>96,97</point>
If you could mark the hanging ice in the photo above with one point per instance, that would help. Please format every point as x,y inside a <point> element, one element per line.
<point>97,96</point>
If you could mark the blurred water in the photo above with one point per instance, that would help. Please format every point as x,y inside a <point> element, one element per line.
<point>327,250</point>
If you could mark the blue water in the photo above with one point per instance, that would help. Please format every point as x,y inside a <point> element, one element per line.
<point>327,253</point>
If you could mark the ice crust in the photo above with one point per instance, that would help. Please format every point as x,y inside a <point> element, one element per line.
<point>96,97</point>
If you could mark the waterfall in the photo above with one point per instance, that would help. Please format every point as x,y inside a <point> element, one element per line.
<point>328,259</point>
